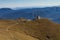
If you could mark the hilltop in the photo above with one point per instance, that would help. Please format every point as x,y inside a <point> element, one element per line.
<point>38,29</point>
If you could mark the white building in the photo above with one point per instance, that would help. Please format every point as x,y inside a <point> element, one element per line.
<point>38,17</point>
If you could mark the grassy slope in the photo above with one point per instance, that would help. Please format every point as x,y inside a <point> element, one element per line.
<point>42,29</point>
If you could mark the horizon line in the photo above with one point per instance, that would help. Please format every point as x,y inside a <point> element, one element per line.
<point>31,7</point>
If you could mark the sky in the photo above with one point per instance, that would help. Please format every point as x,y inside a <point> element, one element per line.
<point>28,3</point>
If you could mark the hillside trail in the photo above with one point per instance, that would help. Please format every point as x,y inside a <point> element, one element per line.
<point>6,34</point>
<point>11,26</point>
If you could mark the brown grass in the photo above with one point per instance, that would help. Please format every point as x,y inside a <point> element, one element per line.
<point>42,29</point>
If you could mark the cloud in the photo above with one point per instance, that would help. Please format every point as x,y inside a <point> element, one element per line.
<point>30,3</point>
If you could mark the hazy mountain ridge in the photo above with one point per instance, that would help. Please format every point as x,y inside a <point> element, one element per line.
<point>48,12</point>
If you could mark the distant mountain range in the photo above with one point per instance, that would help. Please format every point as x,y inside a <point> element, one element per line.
<point>53,13</point>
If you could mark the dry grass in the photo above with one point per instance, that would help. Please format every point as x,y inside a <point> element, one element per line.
<point>42,29</point>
